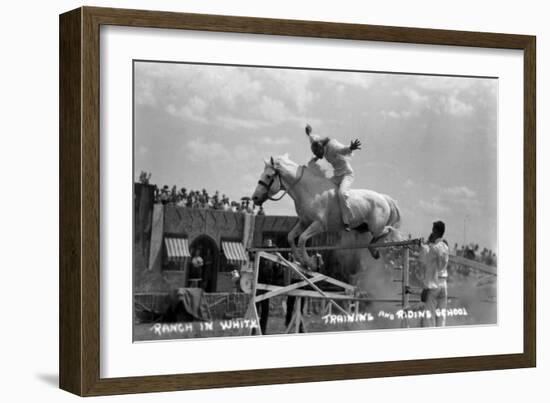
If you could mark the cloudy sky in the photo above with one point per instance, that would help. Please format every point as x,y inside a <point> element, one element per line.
<point>429,142</point>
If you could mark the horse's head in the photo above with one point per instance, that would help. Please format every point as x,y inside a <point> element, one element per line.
<point>269,183</point>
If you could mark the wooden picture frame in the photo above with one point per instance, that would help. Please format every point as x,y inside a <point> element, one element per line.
<point>79,346</point>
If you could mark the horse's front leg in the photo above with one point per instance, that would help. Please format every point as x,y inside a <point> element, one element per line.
<point>315,228</point>
<point>293,234</point>
<point>388,233</point>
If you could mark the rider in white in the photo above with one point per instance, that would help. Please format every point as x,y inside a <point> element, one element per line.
<point>339,156</point>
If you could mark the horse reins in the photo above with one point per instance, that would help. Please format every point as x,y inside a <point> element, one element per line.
<point>278,175</point>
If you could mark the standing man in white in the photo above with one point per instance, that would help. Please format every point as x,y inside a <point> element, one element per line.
<point>434,257</point>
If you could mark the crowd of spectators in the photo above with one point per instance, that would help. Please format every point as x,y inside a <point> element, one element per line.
<point>473,252</point>
<point>201,199</point>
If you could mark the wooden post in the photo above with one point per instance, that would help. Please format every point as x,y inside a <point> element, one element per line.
<point>298,308</point>
<point>252,312</point>
<point>312,285</point>
<point>405,285</point>
<point>327,307</point>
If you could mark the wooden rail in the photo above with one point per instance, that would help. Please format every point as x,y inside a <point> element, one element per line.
<point>473,264</point>
<point>408,242</point>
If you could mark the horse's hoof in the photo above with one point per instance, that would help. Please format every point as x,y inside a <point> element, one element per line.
<point>312,265</point>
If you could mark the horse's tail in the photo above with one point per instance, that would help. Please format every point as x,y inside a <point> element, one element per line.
<point>395,214</point>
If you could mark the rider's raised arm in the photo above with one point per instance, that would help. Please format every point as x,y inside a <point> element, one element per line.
<point>339,148</point>
<point>346,150</point>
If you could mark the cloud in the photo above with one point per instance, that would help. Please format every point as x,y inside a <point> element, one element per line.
<point>456,198</point>
<point>227,96</point>
<point>403,114</point>
<point>240,98</point>
<point>190,90</point>
<point>273,109</point>
<point>215,154</point>
<point>446,83</point>
<point>274,141</point>
<point>415,97</point>
<point>456,107</point>
<point>462,192</point>
<point>379,166</point>
<point>409,183</point>
<point>194,110</point>
<point>242,153</point>
<point>144,91</point>
<point>233,123</point>
<point>358,80</point>
<point>256,113</point>
<point>197,104</point>
<point>458,97</point>
<point>209,110</point>
<point>408,101</point>
<point>248,182</point>
<point>197,149</point>
<point>433,206</point>
<point>293,86</point>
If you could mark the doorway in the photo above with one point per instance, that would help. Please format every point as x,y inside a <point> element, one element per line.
<point>206,248</point>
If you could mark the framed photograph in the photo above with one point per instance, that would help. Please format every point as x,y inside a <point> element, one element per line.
<point>249,201</point>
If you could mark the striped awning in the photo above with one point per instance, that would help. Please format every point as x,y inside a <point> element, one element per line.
<point>234,253</point>
<point>177,249</point>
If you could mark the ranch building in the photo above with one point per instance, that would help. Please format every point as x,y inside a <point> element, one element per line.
<point>167,236</point>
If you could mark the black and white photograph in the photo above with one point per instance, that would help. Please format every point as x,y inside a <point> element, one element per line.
<point>269,202</point>
<point>275,200</point>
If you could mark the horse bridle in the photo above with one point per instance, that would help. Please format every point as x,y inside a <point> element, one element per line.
<point>281,185</point>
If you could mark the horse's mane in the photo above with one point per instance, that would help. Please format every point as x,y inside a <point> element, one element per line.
<point>313,167</point>
<point>316,169</point>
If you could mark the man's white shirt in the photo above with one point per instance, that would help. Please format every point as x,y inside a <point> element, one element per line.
<point>434,257</point>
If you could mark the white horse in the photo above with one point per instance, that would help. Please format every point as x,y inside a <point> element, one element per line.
<point>316,202</point>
